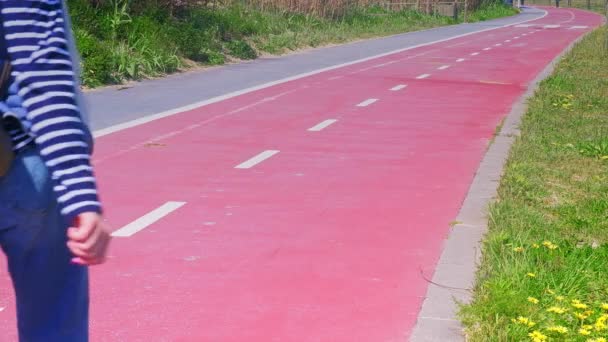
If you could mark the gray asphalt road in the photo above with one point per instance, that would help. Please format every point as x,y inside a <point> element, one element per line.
<point>111,106</point>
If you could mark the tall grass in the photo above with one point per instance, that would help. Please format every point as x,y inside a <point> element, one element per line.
<point>123,40</point>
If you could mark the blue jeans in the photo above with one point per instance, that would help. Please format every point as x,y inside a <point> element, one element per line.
<point>52,294</point>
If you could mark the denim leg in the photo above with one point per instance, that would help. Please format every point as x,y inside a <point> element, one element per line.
<point>52,293</point>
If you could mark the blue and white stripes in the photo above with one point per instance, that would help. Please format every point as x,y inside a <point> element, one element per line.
<point>45,80</point>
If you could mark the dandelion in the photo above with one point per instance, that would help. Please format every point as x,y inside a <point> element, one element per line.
<point>537,336</point>
<point>587,327</point>
<point>518,249</point>
<point>580,305</point>
<point>549,244</point>
<point>556,309</point>
<point>558,329</point>
<point>600,324</point>
<point>531,275</point>
<point>533,300</point>
<point>524,321</point>
<point>604,306</point>
<point>535,246</point>
<point>581,316</point>
<point>559,298</point>
<point>599,339</point>
<point>584,332</point>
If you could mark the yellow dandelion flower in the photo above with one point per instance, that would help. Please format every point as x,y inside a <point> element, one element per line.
<point>584,332</point>
<point>525,321</point>
<point>604,306</point>
<point>587,327</point>
<point>581,316</point>
<point>558,329</point>
<point>537,336</point>
<point>580,305</point>
<point>531,275</point>
<point>549,244</point>
<point>600,324</point>
<point>533,300</point>
<point>537,246</point>
<point>556,309</point>
<point>518,249</point>
<point>559,298</point>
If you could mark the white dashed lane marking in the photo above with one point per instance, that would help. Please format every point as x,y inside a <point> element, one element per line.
<point>257,159</point>
<point>322,125</point>
<point>398,87</point>
<point>367,102</point>
<point>148,219</point>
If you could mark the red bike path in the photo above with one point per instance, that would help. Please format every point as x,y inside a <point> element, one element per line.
<point>329,234</point>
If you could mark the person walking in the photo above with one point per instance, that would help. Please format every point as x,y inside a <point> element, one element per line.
<point>51,228</point>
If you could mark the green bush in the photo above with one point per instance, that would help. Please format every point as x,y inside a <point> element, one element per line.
<point>97,65</point>
<point>241,49</point>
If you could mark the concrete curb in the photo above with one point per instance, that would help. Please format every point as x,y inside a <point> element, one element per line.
<point>454,276</point>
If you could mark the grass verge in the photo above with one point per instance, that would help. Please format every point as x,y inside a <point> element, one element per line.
<point>119,41</point>
<point>544,274</point>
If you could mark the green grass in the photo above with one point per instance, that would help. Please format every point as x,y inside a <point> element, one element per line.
<point>120,43</point>
<point>548,232</point>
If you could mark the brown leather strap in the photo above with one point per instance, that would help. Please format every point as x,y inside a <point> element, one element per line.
<point>6,145</point>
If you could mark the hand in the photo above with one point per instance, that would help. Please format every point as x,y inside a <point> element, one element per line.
<point>88,239</point>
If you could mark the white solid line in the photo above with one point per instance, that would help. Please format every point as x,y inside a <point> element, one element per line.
<point>524,25</point>
<point>507,41</point>
<point>578,27</point>
<point>257,159</point>
<point>475,54</point>
<point>322,125</point>
<point>367,102</point>
<point>516,37</point>
<point>551,26</point>
<point>460,60</point>
<point>443,67</point>
<point>487,49</point>
<point>157,116</point>
<point>499,44</point>
<point>398,87</point>
<point>148,219</point>
<point>423,76</point>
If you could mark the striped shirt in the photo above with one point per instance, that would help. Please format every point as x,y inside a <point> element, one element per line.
<point>43,106</point>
